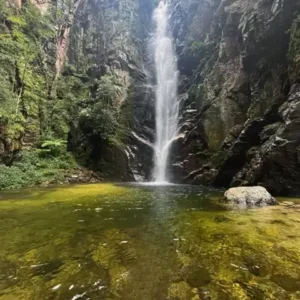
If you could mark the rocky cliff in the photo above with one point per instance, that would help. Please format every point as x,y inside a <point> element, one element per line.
<point>83,78</point>
<point>81,71</point>
<point>239,64</point>
<point>113,126</point>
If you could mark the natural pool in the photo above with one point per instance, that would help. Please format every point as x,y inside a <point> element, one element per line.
<point>107,241</point>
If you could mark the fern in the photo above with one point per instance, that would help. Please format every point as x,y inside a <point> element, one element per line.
<point>54,143</point>
<point>17,20</point>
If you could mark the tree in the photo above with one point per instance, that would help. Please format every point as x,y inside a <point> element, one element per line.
<point>108,90</point>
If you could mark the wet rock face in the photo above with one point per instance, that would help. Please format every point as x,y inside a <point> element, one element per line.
<point>255,195</point>
<point>244,90</point>
<point>273,161</point>
<point>109,38</point>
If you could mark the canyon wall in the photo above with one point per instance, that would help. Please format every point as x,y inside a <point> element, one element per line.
<point>108,54</point>
<point>239,63</point>
<point>84,78</point>
<point>81,71</point>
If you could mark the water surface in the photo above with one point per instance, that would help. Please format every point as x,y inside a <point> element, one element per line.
<point>108,241</point>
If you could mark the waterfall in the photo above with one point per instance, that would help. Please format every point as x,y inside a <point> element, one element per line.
<point>167,106</point>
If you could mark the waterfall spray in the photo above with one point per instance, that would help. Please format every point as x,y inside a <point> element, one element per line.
<point>167,106</point>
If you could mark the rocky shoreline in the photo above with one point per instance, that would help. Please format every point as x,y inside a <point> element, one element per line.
<point>76,176</point>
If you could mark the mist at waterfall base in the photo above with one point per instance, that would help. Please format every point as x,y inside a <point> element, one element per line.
<point>167,105</point>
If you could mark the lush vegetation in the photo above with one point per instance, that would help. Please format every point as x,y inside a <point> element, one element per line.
<point>37,108</point>
<point>25,75</point>
<point>26,111</point>
<point>99,118</point>
<point>48,164</point>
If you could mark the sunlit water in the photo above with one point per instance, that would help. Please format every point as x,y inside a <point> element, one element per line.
<point>108,241</point>
<point>167,106</point>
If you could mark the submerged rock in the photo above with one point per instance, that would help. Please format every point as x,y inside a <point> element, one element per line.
<point>198,276</point>
<point>221,219</point>
<point>287,282</point>
<point>255,195</point>
<point>180,290</point>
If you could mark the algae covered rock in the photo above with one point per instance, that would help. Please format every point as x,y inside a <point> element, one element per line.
<point>255,195</point>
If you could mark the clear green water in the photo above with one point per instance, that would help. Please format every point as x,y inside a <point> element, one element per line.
<point>108,241</point>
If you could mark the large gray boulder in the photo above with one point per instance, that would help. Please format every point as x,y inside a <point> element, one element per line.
<point>255,195</point>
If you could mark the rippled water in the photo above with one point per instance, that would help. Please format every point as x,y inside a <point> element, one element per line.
<point>108,241</point>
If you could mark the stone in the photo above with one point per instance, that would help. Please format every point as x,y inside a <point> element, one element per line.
<point>203,176</point>
<point>255,195</point>
<point>198,276</point>
<point>287,282</point>
<point>221,219</point>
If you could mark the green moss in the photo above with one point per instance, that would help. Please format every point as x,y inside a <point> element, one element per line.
<point>180,290</point>
<point>248,241</point>
<point>67,194</point>
<point>25,80</point>
<point>200,49</point>
<point>214,129</point>
<point>15,131</point>
<point>24,75</point>
<point>294,46</point>
<point>218,158</point>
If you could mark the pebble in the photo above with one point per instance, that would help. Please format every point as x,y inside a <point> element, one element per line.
<point>56,287</point>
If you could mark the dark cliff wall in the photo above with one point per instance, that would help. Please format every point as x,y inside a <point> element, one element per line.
<point>80,71</point>
<point>108,55</point>
<point>239,62</point>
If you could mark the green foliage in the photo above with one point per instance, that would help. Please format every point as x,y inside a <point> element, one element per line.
<point>13,177</point>
<point>17,20</point>
<point>92,102</point>
<point>196,47</point>
<point>15,130</point>
<point>100,117</point>
<point>107,90</point>
<point>72,93</point>
<point>54,148</point>
<point>99,120</point>
<point>12,126</point>
<point>23,71</point>
<point>84,98</point>
<point>33,168</point>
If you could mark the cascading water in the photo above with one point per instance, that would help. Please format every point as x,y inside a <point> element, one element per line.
<point>167,106</point>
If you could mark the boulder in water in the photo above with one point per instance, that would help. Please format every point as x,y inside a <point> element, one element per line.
<point>255,195</point>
